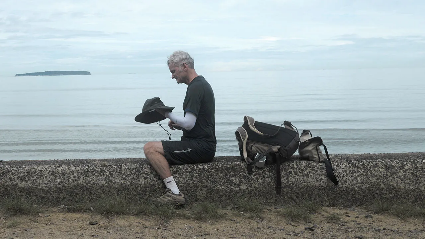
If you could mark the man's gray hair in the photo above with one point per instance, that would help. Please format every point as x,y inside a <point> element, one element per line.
<point>180,57</point>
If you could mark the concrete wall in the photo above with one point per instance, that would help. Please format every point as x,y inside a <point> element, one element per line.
<point>362,179</point>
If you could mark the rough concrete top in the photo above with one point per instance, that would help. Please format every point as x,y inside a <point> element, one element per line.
<point>363,178</point>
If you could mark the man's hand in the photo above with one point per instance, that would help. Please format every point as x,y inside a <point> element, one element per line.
<point>173,125</point>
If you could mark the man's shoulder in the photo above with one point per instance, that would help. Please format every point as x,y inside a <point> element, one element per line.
<point>199,79</point>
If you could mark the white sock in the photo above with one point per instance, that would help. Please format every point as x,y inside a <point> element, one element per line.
<point>171,184</point>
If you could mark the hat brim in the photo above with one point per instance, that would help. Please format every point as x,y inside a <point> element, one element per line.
<point>152,116</point>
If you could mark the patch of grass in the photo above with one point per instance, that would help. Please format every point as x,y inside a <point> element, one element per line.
<point>380,207</point>
<point>311,207</point>
<point>165,212</point>
<point>300,212</point>
<point>206,211</point>
<point>19,206</point>
<point>112,206</point>
<point>80,207</point>
<point>295,213</point>
<point>333,218</point>
<point>401,210</point>
<point>249,206</point>
<point>405,211</point>
<point>105,206</point>
<point>12,224</point>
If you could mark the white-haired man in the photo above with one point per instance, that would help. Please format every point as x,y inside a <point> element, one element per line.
<point>198,143</point>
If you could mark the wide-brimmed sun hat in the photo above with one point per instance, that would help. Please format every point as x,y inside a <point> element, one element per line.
<point>149,114</point>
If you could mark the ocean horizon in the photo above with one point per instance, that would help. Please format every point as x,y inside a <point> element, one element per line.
<point>92,117</point>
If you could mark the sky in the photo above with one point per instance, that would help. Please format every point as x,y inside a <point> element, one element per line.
<point>136,36</point>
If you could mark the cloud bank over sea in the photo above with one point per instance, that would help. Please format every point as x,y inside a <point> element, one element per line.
<point>136,36</point>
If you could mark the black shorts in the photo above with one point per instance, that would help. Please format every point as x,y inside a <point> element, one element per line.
<point>188,151</point>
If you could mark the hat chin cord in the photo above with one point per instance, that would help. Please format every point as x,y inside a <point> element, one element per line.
<point>169,135</point>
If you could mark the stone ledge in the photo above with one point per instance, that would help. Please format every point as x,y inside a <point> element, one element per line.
<point>363,178</point>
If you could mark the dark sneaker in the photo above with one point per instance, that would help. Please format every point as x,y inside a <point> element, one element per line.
<point>171,198</point>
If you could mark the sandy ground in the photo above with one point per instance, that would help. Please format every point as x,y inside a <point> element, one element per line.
<point>327,223</point>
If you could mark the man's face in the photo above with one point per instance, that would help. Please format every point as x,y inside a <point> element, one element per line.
<point>178,73</point>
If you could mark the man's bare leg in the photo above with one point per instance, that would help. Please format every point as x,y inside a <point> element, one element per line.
<point>154,152</point>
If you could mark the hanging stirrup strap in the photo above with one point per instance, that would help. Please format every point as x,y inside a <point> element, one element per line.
<point>328,165</point>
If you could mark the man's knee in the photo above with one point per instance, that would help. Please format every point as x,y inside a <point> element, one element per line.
<point>153,147</point>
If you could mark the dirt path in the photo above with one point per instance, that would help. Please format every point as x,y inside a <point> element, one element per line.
<point>327,223</point>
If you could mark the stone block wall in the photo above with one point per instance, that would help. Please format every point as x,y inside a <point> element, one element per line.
<point>363,178</point>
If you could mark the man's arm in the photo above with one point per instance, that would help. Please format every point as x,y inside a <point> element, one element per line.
<point>187,122</point>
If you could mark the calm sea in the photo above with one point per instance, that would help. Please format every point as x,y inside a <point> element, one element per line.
<point>91,117</point>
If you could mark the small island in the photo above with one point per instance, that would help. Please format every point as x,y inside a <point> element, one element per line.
<point>55,73</point>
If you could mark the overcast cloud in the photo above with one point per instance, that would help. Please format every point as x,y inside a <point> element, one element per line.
<point>134,36</point>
